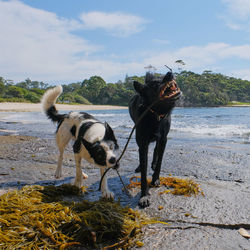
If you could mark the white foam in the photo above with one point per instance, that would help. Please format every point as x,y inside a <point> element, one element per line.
<point>215,130</point>
<point>24,117</point>
<point>8,131</point>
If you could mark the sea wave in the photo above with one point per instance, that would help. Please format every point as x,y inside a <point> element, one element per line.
<point>110,115</point>
<point>213,130</point>
<point>189,122</point>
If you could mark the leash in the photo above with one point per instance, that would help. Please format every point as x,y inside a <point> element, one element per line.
<point>125,147</point>
<point>129,138</point>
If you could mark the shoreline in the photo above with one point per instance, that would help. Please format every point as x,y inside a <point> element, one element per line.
<point>33,107</point>
<point>238,105</point>
<point>36,107</point>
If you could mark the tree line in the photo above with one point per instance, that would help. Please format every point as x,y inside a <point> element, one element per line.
<point>206,89</point>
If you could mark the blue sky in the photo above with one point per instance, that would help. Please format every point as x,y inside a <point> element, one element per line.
<point>61,41</point>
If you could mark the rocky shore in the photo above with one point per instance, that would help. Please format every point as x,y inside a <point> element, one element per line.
<point>211,221</point>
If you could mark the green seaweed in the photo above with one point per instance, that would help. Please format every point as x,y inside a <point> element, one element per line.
<point>36,217</point>
<point>56,193</point>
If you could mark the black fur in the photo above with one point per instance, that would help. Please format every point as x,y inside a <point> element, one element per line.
<point>73,130</point>
<point>52,114</point>
<point>86,115</point>
<point>154,126</point>
<point>96,152</point>
<point>83,129</point>
<point>109,135</point>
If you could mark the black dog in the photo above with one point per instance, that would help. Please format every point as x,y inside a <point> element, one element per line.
<point>155,125</point>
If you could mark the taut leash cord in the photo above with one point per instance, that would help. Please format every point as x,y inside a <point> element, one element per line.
<point>125,147</point>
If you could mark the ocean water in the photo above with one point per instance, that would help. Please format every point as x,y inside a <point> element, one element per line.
<point>218,125</point>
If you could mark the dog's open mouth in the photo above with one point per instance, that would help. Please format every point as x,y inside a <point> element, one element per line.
<point>169,90</point>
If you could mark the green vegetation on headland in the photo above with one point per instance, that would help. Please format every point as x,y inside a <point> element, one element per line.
<point>206,89</point>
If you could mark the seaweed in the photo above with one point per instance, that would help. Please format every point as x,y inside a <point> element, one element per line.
<point>32,223</point>
<point>56,193</point>
<point>36,217</point>
<point>178,186</point>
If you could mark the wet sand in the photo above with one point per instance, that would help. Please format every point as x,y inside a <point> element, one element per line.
<point>32,107</point>
<point>211,221</point>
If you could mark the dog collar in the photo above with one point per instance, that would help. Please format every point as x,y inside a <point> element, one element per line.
<point>159,117</point>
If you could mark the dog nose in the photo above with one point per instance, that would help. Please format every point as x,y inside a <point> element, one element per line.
<point>112,160</point>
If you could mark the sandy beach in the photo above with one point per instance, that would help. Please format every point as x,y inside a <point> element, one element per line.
<point>211,221</point>
<point>33,107</point>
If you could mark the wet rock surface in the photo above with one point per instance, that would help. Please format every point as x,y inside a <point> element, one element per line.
<point>211,221</point>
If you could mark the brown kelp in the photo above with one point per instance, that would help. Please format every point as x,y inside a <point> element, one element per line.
<point>36,217</point>
<point>177,186</point>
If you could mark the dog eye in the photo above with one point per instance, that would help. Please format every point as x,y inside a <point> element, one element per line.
<point>111,146</point>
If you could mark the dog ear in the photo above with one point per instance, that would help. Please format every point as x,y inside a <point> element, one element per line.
<point>139,88</point>
<point>168,77</point>
<point>116,145</point>
<point>109,135</point>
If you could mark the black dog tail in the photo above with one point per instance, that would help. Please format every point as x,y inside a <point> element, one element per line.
<point>48,103</point>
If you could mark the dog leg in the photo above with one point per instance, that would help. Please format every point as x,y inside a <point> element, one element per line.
<point>105,191</point>
<point>143,155</point>
<point>157,160</point>
<point>138,169</point>
<point>58,173</point>
<point>155,157</point>
<point>62,139</point>
<point>79,176</point>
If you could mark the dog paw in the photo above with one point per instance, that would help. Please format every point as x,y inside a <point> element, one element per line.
<point>108,194</point>
<point>144,202</point>
<point>85,176</point>
<point>155,183</point>
<point>58,174</point>
<point>138,169</point>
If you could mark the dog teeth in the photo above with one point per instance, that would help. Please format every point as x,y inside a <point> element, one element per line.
<point>172,90</point>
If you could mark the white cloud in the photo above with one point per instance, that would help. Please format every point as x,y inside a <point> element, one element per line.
<point>117,23</point>
<point>200,58</point>
<point>237,14</point>
<point>40,45</point>
<point>242,73</point>
<point>240,9</point>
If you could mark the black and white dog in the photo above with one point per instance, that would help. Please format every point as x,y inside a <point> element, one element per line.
<point>93,140</point>
<point>155,125</point>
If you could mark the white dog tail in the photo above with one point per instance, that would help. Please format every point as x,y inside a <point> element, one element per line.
<point>48,103</point>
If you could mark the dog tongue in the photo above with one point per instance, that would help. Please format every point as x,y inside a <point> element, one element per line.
<point>173,87</point>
